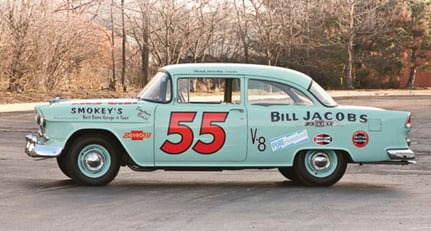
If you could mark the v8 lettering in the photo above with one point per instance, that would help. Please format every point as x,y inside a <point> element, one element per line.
<point>176,126</point>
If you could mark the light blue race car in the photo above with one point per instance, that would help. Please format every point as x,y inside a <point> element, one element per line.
<point>220,117</point>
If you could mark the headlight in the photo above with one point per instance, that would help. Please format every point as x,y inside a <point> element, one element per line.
<point>37,118</point>
<point>41,121</point>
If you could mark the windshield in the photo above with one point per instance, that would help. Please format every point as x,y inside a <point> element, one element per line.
<point>322,95</point>
<point>158,89</point>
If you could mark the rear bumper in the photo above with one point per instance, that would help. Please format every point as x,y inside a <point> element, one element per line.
<point>34,149</point>
<point>402,155</point>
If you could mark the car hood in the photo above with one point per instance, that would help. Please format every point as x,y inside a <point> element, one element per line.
<point>97,110</point>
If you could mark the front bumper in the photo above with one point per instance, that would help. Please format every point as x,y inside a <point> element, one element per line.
<point>34,149</point>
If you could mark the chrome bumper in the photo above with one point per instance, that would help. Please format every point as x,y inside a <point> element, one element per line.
<point>406,155</point>
<point>33,149</point>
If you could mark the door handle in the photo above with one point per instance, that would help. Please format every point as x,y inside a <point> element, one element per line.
<point>237,109</point>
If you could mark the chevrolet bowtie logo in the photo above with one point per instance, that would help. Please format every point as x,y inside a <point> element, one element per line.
<point>137,135</point>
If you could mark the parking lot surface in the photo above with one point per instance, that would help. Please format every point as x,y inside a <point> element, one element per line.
<point>35,195</point>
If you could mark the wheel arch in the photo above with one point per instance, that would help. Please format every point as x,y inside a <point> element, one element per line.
<point>102,132</point>
<point>345,152</point>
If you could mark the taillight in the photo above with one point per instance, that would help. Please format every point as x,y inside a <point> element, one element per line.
<point>409,121</point>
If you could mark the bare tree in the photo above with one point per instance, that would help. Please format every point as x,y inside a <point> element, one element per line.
<point>330,39</point>
<point>44,46</point>
<point>205,19</point>
<point>18,19</point>
<point>361,19</point>
<point>113,80</point>
<point>243,27</point>
<point>169,22</point>
<point>69,42</point>
<point>269,22</point>
<point>123,48</point>
<point>140,25</point>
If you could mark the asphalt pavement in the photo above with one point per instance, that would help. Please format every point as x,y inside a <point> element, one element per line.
<point>35,195</point>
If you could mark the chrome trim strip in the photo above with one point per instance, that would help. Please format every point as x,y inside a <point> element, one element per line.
<point>401,154</point>
<point>391,162</point>
<point>33,149</point>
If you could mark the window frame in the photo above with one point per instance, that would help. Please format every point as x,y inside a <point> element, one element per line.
<point>227,95</point>
<point>284,87</point>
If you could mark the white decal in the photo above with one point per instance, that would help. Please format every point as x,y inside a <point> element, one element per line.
<point>289,140</point>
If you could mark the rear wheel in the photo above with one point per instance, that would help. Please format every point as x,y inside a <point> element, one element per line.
<point>320,167</point>
<point>93,160</point>
<point>289,173</point>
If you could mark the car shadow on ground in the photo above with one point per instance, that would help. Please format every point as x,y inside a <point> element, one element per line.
<point>189,185</point>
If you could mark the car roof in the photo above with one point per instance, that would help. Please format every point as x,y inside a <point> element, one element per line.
<point>267,72</point>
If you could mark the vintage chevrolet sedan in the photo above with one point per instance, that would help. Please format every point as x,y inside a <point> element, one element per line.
<point>219,117</point>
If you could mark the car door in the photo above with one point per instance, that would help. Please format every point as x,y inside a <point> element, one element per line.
<point>275,119</point>
<point>204,125</point>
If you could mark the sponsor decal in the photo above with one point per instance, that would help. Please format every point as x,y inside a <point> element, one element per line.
<point>99,113</point>
<point>261,141</point>
<point>289,140</point>
<point>100,103</point>
<point>360,139</point>
<point>87,103</point>
<point>137,135</point>
<point>122,103</point>
<point>96,110</point>
<point>207,71</point>
<point>318,116</point>
<point>322,139</point>
<point>319,123</point>
<point>143,114</point>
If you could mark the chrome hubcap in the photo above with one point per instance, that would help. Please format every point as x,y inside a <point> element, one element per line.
<point>93,161</point>
<point>320,161</point>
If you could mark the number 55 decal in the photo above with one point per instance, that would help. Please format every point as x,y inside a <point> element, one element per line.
<point>177,126</point>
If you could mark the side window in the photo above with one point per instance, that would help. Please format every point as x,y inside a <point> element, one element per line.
<point>208,90</point>
<point>271,93</point>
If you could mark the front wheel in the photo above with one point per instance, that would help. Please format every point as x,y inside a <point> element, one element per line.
<point>61,162</point>
<point>320,167</point>
<point>93,160</point>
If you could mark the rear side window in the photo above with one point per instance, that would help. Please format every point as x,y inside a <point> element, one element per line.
<point>262,92</point>
<point>209,90</point>
<point>322,95</point>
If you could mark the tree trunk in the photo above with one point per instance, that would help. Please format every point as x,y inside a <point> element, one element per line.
<point>16,75</point>
<point>113,80</point>
<point>145,53</point>
<point>123,49</point>
<point>412,74</point>
<point>350,37</point>
<point>245,47</point>
<point>349,75</point>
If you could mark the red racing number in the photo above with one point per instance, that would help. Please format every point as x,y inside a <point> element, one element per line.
<point>176,126</point>
<point>207,127</point>
<point>186,133</point>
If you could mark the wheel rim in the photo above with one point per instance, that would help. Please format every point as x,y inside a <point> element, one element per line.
<point>321,163</point>
<point>94,161</point>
